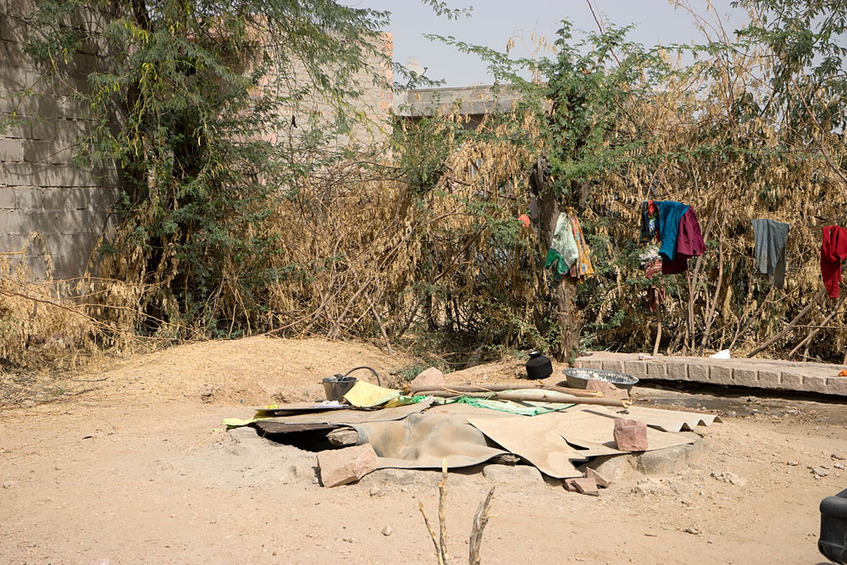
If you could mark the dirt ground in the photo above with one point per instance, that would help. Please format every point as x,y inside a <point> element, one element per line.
<point>128,462</point>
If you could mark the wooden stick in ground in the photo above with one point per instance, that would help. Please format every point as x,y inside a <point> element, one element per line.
<point>537,395</point>
<point>431,534</point>
<point>480,520</point>
<point>442,512</point>
<point>498,388</point>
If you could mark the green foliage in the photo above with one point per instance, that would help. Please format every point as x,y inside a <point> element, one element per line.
<point>207,109</point>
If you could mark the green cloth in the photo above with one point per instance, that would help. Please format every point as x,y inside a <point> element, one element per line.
<point>506,406</point>
<point>563,249</point>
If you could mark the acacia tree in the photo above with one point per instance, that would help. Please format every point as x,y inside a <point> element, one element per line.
<point>208,110</point>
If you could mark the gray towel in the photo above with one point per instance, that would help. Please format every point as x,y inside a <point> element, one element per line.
<point>770,238</point>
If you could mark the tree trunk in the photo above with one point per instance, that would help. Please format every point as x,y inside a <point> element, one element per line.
<point>563,297</point>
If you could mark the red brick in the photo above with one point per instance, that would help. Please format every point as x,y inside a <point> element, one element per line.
<point>630,435</point>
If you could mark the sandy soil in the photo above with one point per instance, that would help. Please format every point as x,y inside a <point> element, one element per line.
<point>128,462</point>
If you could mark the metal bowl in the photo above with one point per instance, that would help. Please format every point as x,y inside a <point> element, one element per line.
<point>578,378</point>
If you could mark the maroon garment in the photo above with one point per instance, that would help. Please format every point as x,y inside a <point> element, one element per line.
<point>833,250</point>
<point>689,243</point>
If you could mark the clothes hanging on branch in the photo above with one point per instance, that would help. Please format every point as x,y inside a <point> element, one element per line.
<point>563,250</point>
<point>833,250</point>
<point>582,268</point>
<point>670,215</point>
<point>649,221</point>
<point>769,238</point>
<point>689,243</point>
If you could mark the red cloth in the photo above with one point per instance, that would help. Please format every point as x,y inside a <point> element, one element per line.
<point>833,250</point>
<point>689,243</point>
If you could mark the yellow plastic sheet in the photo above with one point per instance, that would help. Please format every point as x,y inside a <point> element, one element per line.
<point>366,395</point>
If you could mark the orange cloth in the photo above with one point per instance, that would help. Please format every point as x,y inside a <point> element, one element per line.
<point>843,373</point>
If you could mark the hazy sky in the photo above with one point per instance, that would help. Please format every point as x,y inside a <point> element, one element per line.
<point>493,22</point>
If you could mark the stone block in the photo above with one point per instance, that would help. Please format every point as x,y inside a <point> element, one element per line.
<point>52,152</point>
<point>583,486</point>
<point>589,363</point>
<point>656,370</point>
<point>664,461</point>
<point>791,380</point>
<point>12,222</point>
<point>428,379</point>
<point>515,474</point>
<point>7,198</point>
<point>12,29</point>
<point>813,383</point>
<point>745,377</point>
<point>636,369</point>
<point>613,467</point>
<point>599,479</point>
<point>11,150</point>
<point>677,371</point>
<point>28,197</point>
<point>836,385</point>
<point>630,435</point>
<point>343,466</point>
<point>720,374</point>
<point>767,378</point>
<point>698,372</point>
<point>613,365</point>
<point>607,389</point>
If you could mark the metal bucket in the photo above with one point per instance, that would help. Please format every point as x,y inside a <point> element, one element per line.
<point>336,387</point>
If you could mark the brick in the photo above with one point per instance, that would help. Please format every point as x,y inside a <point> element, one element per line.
<point>678,371</point>
<point>720,374</point>
<point>656,370</point>
<point>630,435</point>
<point>745,377</point>
<point>698,373</point>
<point>343,466</point>
<point>613,365</point>
<point>636,369</point>
<point>791,380</point>
<point>599,479</point>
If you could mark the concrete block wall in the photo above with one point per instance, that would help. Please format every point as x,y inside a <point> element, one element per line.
<point>754,373</point>
<point>51,212</point>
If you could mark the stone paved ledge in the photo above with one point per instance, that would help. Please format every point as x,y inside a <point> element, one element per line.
<point>756,373</point>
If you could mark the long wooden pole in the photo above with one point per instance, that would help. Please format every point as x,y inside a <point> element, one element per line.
<point>537,395</point>
<point>502,387</point>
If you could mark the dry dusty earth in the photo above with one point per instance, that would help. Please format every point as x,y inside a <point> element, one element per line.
<point>129,463</point>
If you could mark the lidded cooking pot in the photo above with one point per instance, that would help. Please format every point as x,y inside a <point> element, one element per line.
<point>538,366</point>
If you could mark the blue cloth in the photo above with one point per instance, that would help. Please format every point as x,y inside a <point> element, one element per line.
<point>670,213</point>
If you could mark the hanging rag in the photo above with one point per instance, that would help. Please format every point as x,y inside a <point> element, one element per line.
<point>655,293</point>
<point>769,239</point>
<point>649,221</point>
<point>689,243</point>
<point>833,250</point>
<point>563,250</point>
<point>670,214</point>
<point>582,268</point>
